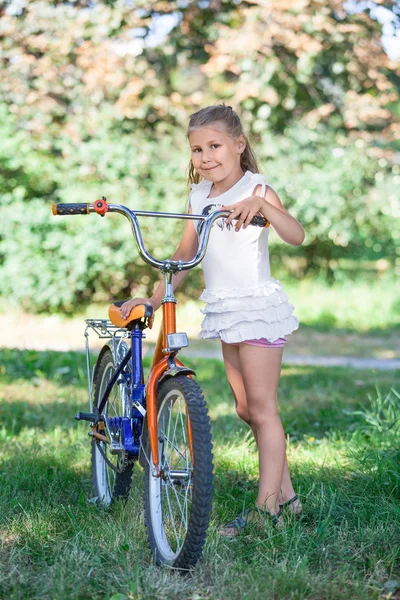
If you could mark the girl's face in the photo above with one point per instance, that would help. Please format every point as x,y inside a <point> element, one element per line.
<point>215,154</point>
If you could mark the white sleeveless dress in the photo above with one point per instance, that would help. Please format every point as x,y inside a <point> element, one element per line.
<point>243,301</point>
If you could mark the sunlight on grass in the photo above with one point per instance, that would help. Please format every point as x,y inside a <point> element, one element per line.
<point>222,409</point>
<point>343,441</point>
<point>355,305</point>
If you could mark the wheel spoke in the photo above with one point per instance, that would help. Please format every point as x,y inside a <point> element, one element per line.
<point>171,520</point>
<point>104,476</point>
<point>177,494</point>
<point>176,449</point>
<point>170,498</point>
<point>175,442</point>
<point>175,425</point>
<point>183,428</point>
<point>182,520</point>
<point>169,428</point>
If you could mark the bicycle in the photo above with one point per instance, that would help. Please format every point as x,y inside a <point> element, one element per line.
<point>162,422</point>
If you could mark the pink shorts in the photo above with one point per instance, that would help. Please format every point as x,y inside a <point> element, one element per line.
<point>263,343</point>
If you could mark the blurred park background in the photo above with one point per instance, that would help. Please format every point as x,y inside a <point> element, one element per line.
<point>95,100</point>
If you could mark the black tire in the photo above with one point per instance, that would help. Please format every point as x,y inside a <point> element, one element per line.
<point>108,484</point>
<point>177,509</point>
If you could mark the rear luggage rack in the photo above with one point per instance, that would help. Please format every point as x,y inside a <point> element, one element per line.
<point>104,329</point>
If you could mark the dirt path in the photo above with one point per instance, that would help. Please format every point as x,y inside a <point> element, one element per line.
<point>305,347</point>
<point>354,362</point>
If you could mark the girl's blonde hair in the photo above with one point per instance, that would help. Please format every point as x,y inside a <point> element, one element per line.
<point>226,115</point>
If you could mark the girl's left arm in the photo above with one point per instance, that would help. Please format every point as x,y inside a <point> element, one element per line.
<point>287,227</point>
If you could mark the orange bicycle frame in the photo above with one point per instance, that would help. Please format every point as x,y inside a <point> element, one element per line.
<point>163,360</point>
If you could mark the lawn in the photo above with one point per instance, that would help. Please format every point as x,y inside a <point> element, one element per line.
<point>343,448</point>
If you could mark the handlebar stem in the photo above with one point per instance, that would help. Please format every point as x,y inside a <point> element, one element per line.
<point>168,288</point>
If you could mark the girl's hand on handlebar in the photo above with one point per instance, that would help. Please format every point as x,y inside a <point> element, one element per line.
<point>127,306</point>
<point>244,211</point>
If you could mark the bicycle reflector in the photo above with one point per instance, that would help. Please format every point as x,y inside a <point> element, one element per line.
<point>176,341</point>
<point>100,206</point>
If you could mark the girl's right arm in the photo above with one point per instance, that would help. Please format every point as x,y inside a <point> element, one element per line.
<point>186,251</point>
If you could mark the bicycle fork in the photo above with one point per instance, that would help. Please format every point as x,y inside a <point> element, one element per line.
<point>164,364</point>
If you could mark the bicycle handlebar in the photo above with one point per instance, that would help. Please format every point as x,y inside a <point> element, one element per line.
<point>101,207</point>
<point>70,209</point>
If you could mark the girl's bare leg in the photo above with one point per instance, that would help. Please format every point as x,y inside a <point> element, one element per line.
<point>235,379</point>
<point>287,491</point>
<point>260,368</point>
<point>233,368</point>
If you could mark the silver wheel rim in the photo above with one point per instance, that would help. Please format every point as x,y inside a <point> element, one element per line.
<point>170,496</point>
<point>105,476</point>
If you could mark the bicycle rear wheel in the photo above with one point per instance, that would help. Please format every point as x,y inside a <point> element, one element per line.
<point>178,503</point>
<point>111,473</point>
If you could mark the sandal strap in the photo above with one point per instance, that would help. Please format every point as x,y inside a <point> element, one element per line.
<point>264,513</point>
<point>289,502</point>
<point>239,523</point>
<point>275,518</point>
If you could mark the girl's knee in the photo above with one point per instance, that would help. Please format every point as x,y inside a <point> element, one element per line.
<point>263,413</point>
<point>242,412</point>
<point>271,420</point>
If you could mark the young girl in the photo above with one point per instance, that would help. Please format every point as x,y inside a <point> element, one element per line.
<point>245,307</point>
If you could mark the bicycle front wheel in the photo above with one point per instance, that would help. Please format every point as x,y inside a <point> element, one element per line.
<point>178,503</point>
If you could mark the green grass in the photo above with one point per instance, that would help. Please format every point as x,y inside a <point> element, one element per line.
<point>343,450</point>
<point>361,305</point>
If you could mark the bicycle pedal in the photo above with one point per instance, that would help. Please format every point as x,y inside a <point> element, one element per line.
<point>81,416</point>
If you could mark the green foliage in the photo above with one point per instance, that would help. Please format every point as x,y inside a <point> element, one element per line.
<point>58,263</point>
<point>50,263</point>
<point>344,197</point>
<point>94,105</point>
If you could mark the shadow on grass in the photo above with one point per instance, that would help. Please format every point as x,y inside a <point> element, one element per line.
<point>45,417</point>
<point>313,400</point>
<point>54,538</point>
<point>52,479</point>
<point>369,475</point>
<point>349,531</point>
<point>34,365</point>
<point>38,478</point>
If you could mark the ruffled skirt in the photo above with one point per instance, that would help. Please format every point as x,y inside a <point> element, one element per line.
<point>238,315</point>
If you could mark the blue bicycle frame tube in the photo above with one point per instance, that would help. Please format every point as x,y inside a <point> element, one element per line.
<point>138,386</point>
<point>113,380</point>
<point>137,370</point>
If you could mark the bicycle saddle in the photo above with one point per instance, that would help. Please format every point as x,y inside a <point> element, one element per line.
<point>143,315</point>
